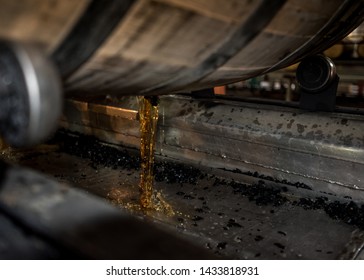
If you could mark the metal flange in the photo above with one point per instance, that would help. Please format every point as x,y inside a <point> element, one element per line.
<point>315,73</point>
<point>30,95</point>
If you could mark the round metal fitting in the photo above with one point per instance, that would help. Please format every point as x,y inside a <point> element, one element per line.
<point>314,73</point>
<point>30,95</point>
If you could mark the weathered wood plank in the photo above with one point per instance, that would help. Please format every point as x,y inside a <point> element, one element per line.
<point>162,46</point>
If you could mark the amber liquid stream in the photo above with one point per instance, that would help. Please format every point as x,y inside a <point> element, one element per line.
<point>148,117</point>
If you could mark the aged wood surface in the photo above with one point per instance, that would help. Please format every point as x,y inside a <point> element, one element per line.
<point>143,47</point>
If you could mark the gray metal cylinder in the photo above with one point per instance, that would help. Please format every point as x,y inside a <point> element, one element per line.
<point>30,95</point>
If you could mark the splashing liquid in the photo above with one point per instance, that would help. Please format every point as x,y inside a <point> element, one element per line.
<point>148,117</point>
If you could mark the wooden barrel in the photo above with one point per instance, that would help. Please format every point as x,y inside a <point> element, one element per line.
<point>346,51</point>
<point>360,50</point>
<point>353,51</point>
<point>335,51</point>
<point>142,47</point>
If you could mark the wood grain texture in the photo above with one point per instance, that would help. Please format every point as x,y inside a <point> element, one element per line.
<point>166,46</point>
<point>45,22</point>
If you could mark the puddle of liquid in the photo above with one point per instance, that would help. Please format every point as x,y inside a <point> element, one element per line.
<point>150,200</point>
<point>7,153</point>
<point>127,198</point>
<point>3,146</point>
